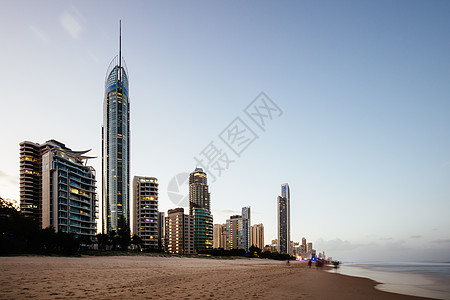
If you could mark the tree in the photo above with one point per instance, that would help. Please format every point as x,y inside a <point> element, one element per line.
<point>254,251</point>
<point>16,231</point>
<point>137,242</point>
<point>103,241</point>
<point>124,233</point>
<point>114,238</point>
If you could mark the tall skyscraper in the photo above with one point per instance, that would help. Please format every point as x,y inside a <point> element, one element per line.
<point>57,189</point>
<point>179,237</point>
<point>145,191</point>
<point>200,210</point>
<point>284,230</point>
<point>257,236</point>
<point>238,231</point>
<point>116,144</point>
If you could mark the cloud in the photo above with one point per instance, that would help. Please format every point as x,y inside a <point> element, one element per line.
<point>11,179</point>
<point>39,34</point>
<point>416,236</point>
<point>385,239</point>
<point>447,163</point>
<point>335,245</point>
<point>71,24</point>
<point>226,211</point>
<point>441,241</point>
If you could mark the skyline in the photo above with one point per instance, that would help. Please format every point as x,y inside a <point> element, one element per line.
<point>363,89</point>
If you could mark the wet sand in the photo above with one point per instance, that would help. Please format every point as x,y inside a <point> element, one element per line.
<point>426,284</point>
<point>146,277</point>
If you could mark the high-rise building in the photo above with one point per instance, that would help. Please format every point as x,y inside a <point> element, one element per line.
<point>246,223</point>
<point>198,191</point>
<point>30,181</point>
<point>179,237</point>
<point>257,236</point>
<point>238,231</point>
<point>145,225</point>
<point>284,234</point>
<point>220,236</point>
<point>200,210</point>
<point>233,232</point>
<point>161,230</point>
<point>57,189</point>
<point>116,145</point>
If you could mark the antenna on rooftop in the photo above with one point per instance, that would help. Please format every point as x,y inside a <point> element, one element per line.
<point>120,43</point>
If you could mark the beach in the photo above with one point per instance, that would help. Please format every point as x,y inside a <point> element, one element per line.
<point>150,277</point>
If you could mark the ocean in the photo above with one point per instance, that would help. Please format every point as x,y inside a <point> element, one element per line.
<point>423,279</point>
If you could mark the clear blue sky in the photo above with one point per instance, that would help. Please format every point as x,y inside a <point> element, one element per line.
<point>363,141</point>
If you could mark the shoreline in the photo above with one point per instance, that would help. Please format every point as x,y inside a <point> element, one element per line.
<point>409,279</point>
<point>106,277</point>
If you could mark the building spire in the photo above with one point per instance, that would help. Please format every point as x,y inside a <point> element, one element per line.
<point>120,43</point>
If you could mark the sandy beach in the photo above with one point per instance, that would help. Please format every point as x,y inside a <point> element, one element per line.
<point>148,277</point>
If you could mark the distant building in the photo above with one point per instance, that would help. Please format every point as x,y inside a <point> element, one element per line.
<point>273,246</point>
<point>238,231</point>
<point>57,189</point>
<point>294,248</point>
<point>220,236</point>
<point>179,236</point>
<point>145,191</point>
<point>200,210</point>
<point>284,230</point>
<point>257,236</point>
<point>309,248</point>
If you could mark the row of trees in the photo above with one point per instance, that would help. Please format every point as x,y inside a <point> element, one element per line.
<point>253,252</point>
<point>20,234</point>
<point>23,235</point>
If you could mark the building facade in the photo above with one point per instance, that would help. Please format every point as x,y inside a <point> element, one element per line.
<point>283,206</point>
<point>200,210</point>
<point>203,228</point>
<point>257,236</point>
<point>57,189</point>
<point>179,236</point>
<point>145,225</point>
<point>116,145</point>
<point>220,236</point>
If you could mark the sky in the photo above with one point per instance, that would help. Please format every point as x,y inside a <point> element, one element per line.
<point>361,129</point>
